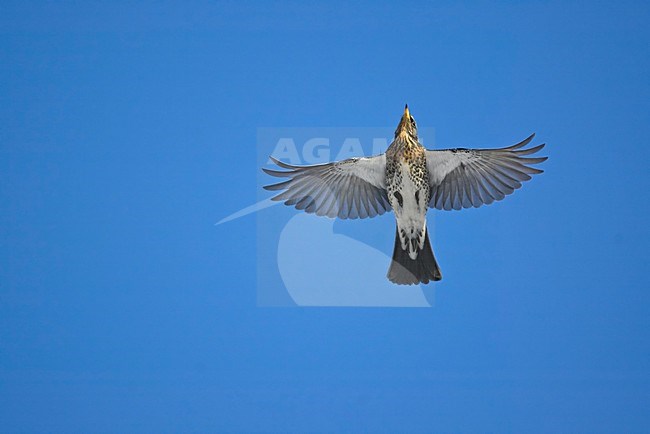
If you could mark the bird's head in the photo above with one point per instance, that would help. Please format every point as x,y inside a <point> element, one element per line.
<point>407,125</point>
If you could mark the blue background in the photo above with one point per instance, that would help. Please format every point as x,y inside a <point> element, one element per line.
<point>127,130</point>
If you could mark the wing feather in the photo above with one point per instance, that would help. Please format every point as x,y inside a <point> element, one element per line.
<point>352,188</point>
<point>464,178</point>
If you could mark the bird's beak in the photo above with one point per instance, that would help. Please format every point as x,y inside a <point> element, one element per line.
<point>406,119</point>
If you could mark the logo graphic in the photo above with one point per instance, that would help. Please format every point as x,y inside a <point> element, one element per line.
<point>308,260</point>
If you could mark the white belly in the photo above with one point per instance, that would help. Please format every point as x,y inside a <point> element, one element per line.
<point>411,215</point>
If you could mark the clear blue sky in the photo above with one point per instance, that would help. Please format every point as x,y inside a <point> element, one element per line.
<point>127,130</point>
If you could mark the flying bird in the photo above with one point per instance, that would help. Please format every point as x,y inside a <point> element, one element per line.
<point>407,179</point>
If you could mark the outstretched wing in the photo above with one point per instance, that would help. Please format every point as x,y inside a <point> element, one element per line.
<point>462,178</point>
<point>352,188</point>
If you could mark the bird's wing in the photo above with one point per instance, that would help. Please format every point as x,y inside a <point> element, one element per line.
<point>352,188</point>
<point>462,178</point>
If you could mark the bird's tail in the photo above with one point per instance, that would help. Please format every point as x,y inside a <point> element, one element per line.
<point>406,271</point>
